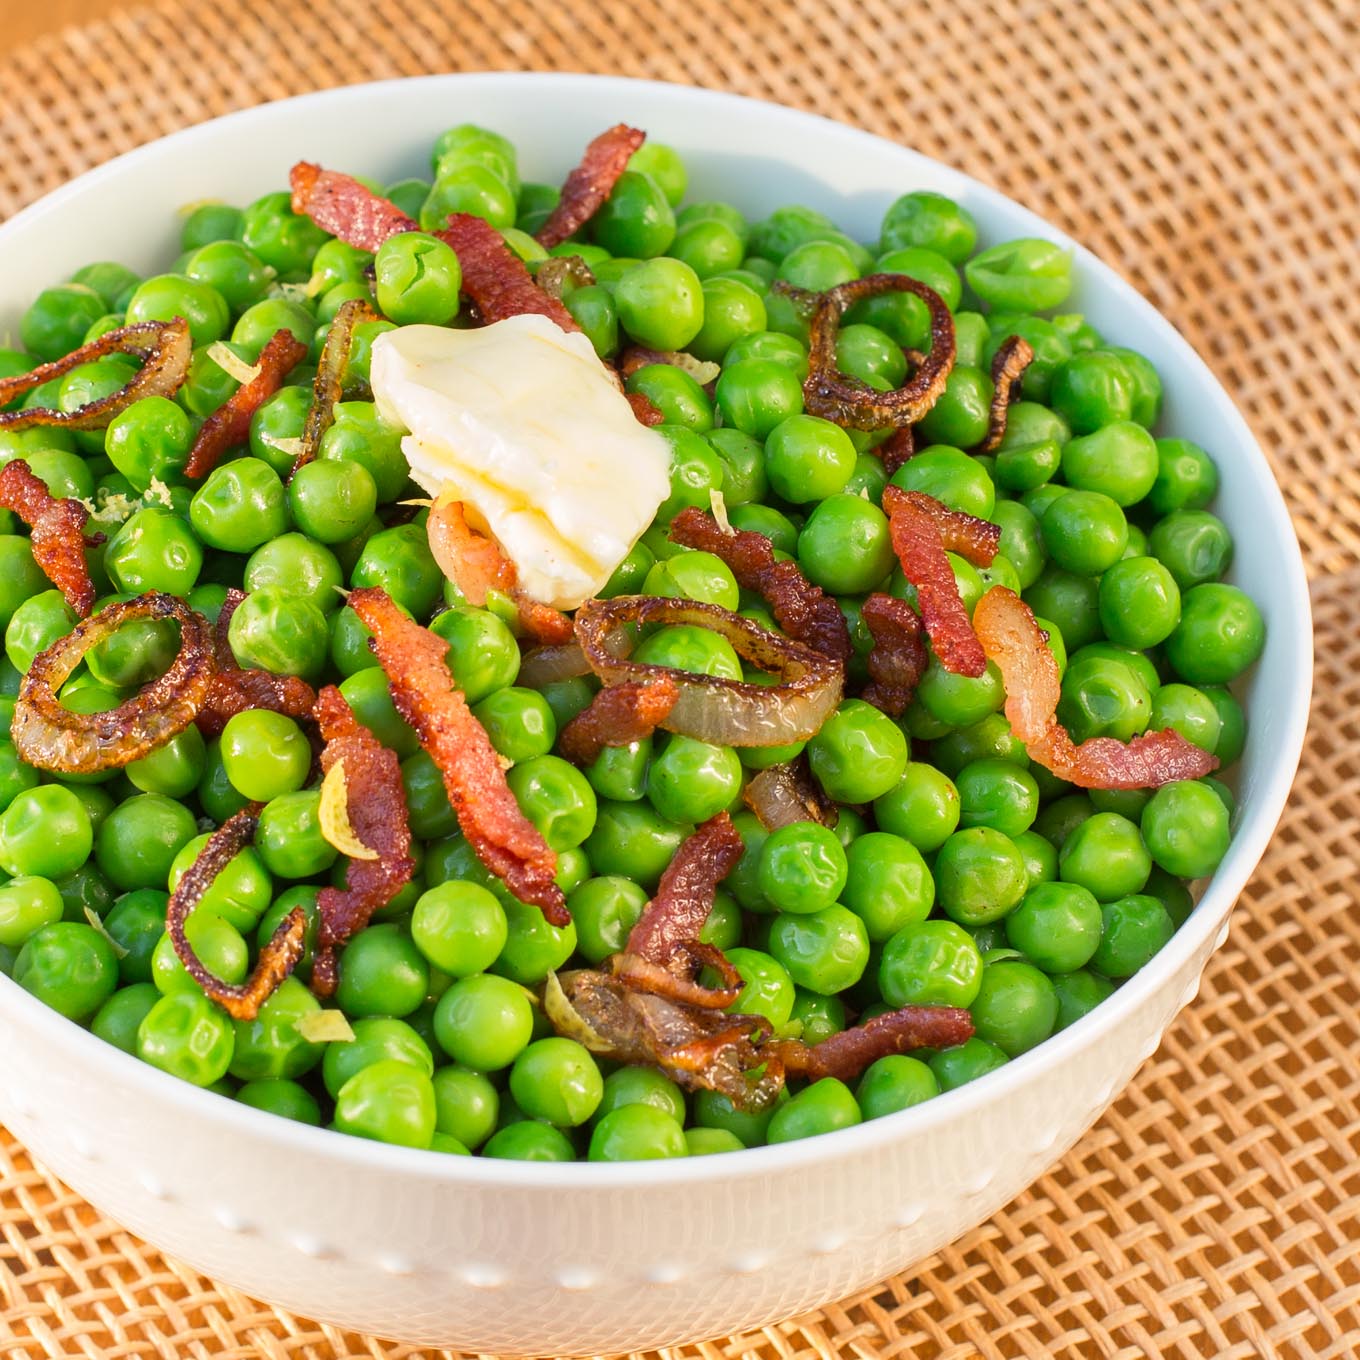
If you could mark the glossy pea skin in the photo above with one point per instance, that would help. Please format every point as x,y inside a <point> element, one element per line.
<point>417,279</point>
<point>733,310</point>
<point>1106,854</point>
<point>283,239</point>
<point>388,1101</point>
<point>360,435</point>
<point>961,416</point>
<point>279,1096</point>
<point>998,794</point>
<point>767,988</point>
<point>1015,1008</point>
<point>1193,545</point>
<point>1135,929</point>
<point>533,947</point>
<point>149,439</point>
<point>923,807</point>
<point>557,1080</point>
<point>280,632</point>
<point>46,832</point>
<point>1119,460</point>
<point>466,1105</point>
<point>527,1141</point>
<point>675,394</point>
<point>822,1107</point>
<point>637,1132</point>
<point>930,963</point>
<point>755,395</point>
<point>694,576</point>
<point>859,754</point>
<point>845,546</point>
<point>803,867</point>
<point>888,884</point>
<point>289,838</point>
<point>979,876</point>
<point>20,576</point>
<point>661,303</point>
<point>154,550</point>
<point>1187,478</point>
<point>188,1036</point>
<point>1078,994</point>
<point>332,500</point>
<point>56,321</point>
<point>932,221</point>
<point>116,1022</point>
<point>459,927</point>
<point>138,841</point>
<point>825,951</point>
<point>1057,926</point>
<point>605,909</point>
<point>376,1039</point>
<point>265,754</point>
<point>239,506</point>
<point>1220,634</point>
<point>1103,698</point>
<point>240,893</point>
<point>1069,601</point>
<point>691,780</point>
<point>965,1062</point>
<point>166,296</point>
<point>484,1022</point>
<point>893,1083</point>
<point>1232,732</point>
<point>1085,532</point>
<point>382,973</point>
<point>556,797</point>
<point>270,1046</point>
<point>1091,390</point>
<point>1186,828</point>
<point>27,903</point>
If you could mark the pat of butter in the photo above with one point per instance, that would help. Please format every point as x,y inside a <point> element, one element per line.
<point>521,422</point>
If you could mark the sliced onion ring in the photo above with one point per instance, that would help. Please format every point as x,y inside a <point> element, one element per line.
<point>548,665</point>
<point>51,737</point>
<point>278,958</point>
<point>854,404</point>
<point>166,346</point>
<point>781,795</point>
<point>712,708</point>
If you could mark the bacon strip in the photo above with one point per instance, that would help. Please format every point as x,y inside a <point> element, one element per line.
<point>590,183</point>
<point>342,206</point>
<point>845,1055</point>
<point>377,812</point>
<point>278,958</point>
<point>643,408</point>
<point>914,521</point>
<point>618,716</point>
<point>1012,638</point>
<point>58,538</point>
<point>230,423</point>
<point>1008,367</point>
<point>476,565</point>
<point>425,695</point>
<point>234,690</point>
<point>898,659</point>
<point>898,448</point>
<point>804,611</point>
<point>684,897</point>
<point>495,278</point>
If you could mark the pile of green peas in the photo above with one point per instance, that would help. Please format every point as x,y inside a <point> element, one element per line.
<point>958,872</point>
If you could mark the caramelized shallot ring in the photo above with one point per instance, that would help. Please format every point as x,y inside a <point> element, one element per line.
<point>52,737</point>
<point>713,708</point>
<point>278,957</point>
<point>166,347</point>
<point>1008,366</point>
<point>834,395</point>
<point>642,975</point>
<point>781,795</point>
<point>329,384</point>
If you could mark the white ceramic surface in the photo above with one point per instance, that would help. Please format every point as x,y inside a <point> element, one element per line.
<point>499,1256</point>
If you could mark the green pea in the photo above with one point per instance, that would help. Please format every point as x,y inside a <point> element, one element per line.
<point>46,832</point>
<point>888,884</point>
<point>1193,545</point>
<point>149,440</point>
<point>173,769</point>
<point>27,904</point>
<point>893,1083</point>
<point>1106,854</point>
<point>859,754</point>
<point>1187,478</point>
<point>533,947</point>
<point>1092,389</point>
<point>417,279</point>
<point>965,1062</point>
<point>767,990</point>
<point>388,1101</point>
<point>21,578</point>
<point>825,951</point>
<point>154,550</point>
<point>376,1039</point>
<point>186,1035</point>
<point>279,631</point>
<point>823,1107</point>
<point>232,270</point>
<point>979,875</point>
<point>265,754</point>
<point>1069,601</point>
<point>1057,926</point>
<point>241,891</point>
<point>1015,1008</point>
<point>483,654</point>
<point>283,239</point>
<point>119,1018</point>
<point>930,963</point>
<point>484,1022</point>
<point>1232,731</point>
<point>382,973</point>
<point>960,700</point>
<point>923,807</point>
<point>1185,827</point>
<point>1119,460</point>
<point>1024,275</point>
<point>359,435</point>
<point>950,476</point>
<point>166,296</point>
<point>1078,994</point>
<point>661,303</point>
<point>1085,532</point>
<point>930,221</point>
<point>279,1096</point>
<point>961,416</point>
<point>1220,634</point>
<point>845,546</point>
<point>998,794</point>
<point>270,1046</point>
<point>210,222</point>
<point>58,318</point>
<point>1135,928</point>
<point>240,506</point>
<point>289,838</point>
<point>637,1132</point>
<point>756,395</point>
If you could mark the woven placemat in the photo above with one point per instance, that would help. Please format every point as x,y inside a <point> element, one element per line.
<point>1209,151</point>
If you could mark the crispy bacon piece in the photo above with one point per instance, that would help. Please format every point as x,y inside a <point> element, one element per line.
<point>898,448</point>
<point>58,537</point>
<point>618,716</point>
<point>845,1055</point>
<point>1008,366</point>
<point>898,659</point>
<point>698,1047</point>
<point>646,412</point>
<point>684,897</point>
<point>804,611</point>
<point>495,278</point>
<point>590,183</point>
<point>476,564</point>
<point>914,520</point>
<point>1013,639</point>
<point>165,346</point>
<point>50,736</point>
<point>342,206</point>
<point>848,401</point>
<point>425,695</point>
<point>781,795</point>
<point>278,958</point>
<point>377,813</point>
<point>230,423</point>
<point>974,539</point>
<point>329,384</point>
<point>234,690</point>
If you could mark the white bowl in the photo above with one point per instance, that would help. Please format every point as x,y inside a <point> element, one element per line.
<point>502,1256</point>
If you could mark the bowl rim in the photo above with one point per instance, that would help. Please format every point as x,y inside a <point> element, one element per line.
<point>1211,912</point>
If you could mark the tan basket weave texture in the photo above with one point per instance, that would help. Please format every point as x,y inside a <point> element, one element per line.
<point>1210,149</point>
